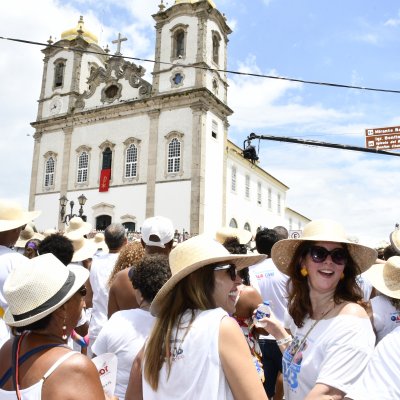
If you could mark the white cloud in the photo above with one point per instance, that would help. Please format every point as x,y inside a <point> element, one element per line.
<point>392,22</point>
<point>347,186</point>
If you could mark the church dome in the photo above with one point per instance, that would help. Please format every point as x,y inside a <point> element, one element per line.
<point>71,34</point>
<point>212,4</point>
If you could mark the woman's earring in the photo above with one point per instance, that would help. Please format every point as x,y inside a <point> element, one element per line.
<point>64,331</point>
<point>304,272</point>
<point>342,276</point>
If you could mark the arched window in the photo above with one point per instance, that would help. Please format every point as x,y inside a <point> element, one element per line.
<point>247,227</point>
<point>174,156</point>
<point>59,74</point>
<point>215,49</point>
<point>49,172</point>
<point>233,223</point>
<point>107,158</point>
<point>179,43</point>
<point>131,161</point>
<point>83,166</point>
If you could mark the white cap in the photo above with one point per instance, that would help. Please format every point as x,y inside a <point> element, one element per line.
<point>157,231</point>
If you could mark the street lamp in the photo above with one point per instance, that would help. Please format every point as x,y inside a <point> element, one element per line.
<point>65,218</point>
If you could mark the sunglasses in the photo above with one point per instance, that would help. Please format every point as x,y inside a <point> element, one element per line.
<point>230,269</point>
<point>82,291</point>
<point>319,254</point>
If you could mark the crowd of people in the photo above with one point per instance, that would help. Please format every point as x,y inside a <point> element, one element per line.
<point>180,314</point>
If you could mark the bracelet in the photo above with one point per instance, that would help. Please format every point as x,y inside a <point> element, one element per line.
<point>285,340</point>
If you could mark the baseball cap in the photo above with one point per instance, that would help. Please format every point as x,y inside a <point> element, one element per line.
<point>157,231</point>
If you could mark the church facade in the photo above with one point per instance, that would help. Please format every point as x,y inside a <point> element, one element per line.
<point>135,148</point>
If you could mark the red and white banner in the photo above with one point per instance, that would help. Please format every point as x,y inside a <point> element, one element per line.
<point>104,180</point>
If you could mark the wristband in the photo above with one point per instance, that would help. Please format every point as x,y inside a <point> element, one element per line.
<point>285,340</point>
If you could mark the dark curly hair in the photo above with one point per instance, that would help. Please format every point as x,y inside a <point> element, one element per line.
<point>58,245</point>
<point>150,274</point>
<point>299,303</point>
<point>265,239</point>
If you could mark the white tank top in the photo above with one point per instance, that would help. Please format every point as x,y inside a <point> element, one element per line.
<point>196,371</point>
<point>34,392</point>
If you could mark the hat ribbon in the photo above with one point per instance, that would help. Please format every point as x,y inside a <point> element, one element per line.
<point>52,301</point>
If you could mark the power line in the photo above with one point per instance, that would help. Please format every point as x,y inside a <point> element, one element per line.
<point>309,82</point>
<point>251,154</point>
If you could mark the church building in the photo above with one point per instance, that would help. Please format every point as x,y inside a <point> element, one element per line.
<point>136,149</point>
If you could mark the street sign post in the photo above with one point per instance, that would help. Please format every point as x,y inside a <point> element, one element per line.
<point>383,138</point>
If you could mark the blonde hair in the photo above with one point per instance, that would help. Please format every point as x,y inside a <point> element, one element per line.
<point>193,292</point>
<point>131,254</point>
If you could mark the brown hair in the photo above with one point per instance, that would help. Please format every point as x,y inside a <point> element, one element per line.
<point>193,292</point>
<point>131,254</point>
<point>299,303</point>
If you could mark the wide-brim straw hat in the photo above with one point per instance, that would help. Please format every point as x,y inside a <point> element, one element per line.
<point>99,241</point>
<point>83,249</point>
<point>38,286</point>
<point>322,230</point>
<point>26,235</point>
<point>395,240</point>
<point>242,235</point>
<point>13,216</point>
<point>49,231</point>
<point>77,227</point>
<point>386,277</point>
<point>193,254</point>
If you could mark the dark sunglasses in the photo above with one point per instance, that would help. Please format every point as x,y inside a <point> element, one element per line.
<point>230,269</point>
<point>319,254</point>
<point>82,291</point>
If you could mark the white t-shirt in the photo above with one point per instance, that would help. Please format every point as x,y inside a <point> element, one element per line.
<point>386,317</point>
<point>124,335</point>
<point>196,371</point>
<point>365,286</point>
<point>380,379</point>
<point>4,332</point>
<point>100,271</point>
<point>272,286</point>
<point>9,259</point>
<point>335,353</point>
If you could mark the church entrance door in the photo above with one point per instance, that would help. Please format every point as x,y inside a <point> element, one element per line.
<point>102,221</point>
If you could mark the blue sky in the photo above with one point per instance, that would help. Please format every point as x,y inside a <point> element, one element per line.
<point>348,42</point>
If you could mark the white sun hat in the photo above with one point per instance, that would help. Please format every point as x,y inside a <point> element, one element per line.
<point>99,241</point>
<point>38,286</point>
<point>27,234</point>
<point>386,277</point>
<point>193,254</point>
<point>83,249</point>
<point>242,235</point>
<point>77,228</point>
<point>322,230</point>
<point>13,216</point>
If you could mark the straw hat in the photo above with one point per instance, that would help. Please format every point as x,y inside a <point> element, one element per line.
<point>77,227</point>
<point>99,241</point>
<point>27,234</point>
<point>39,286</point>
<point>242,235</point>
<point>395,240</point>
<point>386,277</point>
<point>83,249</point>
<point>322,230</point>
<point>13,216</point>
<point>193,254</point>
<point>49,231</point>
